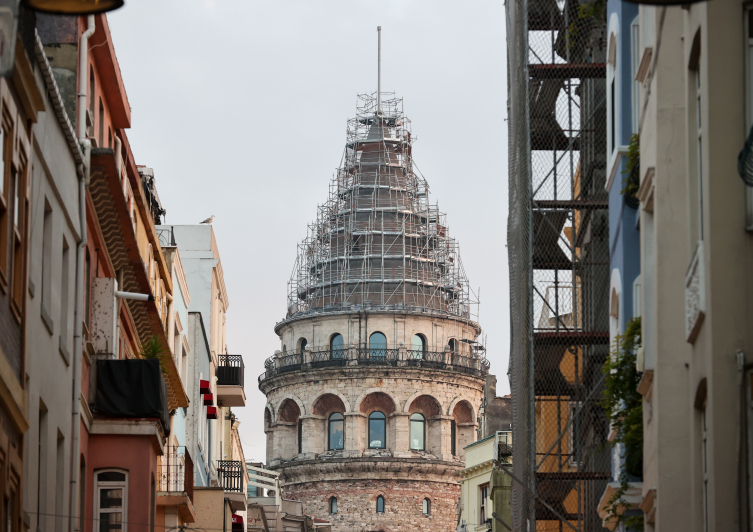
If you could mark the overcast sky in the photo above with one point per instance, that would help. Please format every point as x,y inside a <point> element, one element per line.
<point>240,106</point>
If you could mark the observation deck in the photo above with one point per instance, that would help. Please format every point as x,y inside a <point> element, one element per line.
<point>323,357</point>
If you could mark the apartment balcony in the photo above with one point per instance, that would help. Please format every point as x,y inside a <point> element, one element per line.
<point>230,478</point>
<point>132,390</point>
<point>175,488</point>
<point>229,373</point>
<point>401,359</point>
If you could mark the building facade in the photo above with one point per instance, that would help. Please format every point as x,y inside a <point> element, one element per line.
<point>375,390</point>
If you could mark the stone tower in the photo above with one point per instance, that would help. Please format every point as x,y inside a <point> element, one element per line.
<point>376,387</point>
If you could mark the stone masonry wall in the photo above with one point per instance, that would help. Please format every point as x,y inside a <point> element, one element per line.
<point>356,504</point>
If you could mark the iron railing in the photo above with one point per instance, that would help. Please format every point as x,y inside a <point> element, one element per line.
<point>230,370</point>
<point>322,357</point>
<point>328,357</point>
<point>230,475</point>
<point>377,356</point>
<point>175,471</point>
<point>427,358</point>
<point>166,236</point>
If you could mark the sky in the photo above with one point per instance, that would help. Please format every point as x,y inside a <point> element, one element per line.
<point>240,107</point>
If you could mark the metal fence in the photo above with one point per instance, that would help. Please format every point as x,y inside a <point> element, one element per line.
<point>559,261</point>
<point>175,471</point>
<point>230,475</point>
<point>472,364</point>
<point>230,370</point>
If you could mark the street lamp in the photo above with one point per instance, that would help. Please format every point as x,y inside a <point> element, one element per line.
<point>74,7</point>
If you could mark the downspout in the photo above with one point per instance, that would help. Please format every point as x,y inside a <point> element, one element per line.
<point>83,182</point>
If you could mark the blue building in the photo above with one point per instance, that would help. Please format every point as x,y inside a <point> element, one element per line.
<point>623,122</point>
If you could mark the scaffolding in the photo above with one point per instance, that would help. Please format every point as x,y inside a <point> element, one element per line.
<point>559,262</point>
<point>377,242</point>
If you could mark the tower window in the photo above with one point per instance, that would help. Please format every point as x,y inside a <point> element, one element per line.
<point>453,344</point>
<point>336,346</point>
<point>380,505</point>
<point>333,505</point>
<point>377,430</point>
<point>418,346</point>
<point>300,436</point>
<point>417,432</point>
<point>336,431</point>
<point>426,507</point>
<point>377,345</point>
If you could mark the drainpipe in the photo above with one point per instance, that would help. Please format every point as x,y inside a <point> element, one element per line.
<point>83,182</point>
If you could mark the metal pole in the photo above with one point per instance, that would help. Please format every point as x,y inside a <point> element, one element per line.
<point>379,70</point>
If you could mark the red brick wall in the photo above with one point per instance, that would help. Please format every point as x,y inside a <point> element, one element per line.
<point>356,504</point>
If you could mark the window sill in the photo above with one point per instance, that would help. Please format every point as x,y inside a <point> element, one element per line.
<point>64,351</point>
<point>47,321</point>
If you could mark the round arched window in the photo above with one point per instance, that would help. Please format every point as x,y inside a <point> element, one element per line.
<point>302,343</point>
<point>426,507</point>
<point>418,346</point>
<point>380,505</point>
<point>377,430</point>
<point>417,432</point>
<point>333,505</point>
<point>337,346</point>
<point>453,344</point>
<point>336,431</point>
<point>377,345</point>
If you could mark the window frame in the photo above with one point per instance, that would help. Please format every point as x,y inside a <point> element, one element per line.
<point>379,351</point>
<point>332,505</point>
<point>410,431</point>
<point>339,352</point>
<point>426,506</point>
<point>120,484</point>
<point>329,430</point>
<point>380,499</point>
<point>383,419</point>
<point>483,496</point>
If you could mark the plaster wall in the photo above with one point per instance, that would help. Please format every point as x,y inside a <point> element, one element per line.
<point>138,456</point>
<point>665,253</point>
<point>49,346</point>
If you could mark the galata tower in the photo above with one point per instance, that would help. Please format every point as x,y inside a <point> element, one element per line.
<point>377,384</point>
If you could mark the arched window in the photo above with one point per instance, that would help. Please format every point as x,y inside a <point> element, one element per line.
<point>453,344</point>
<point>380,505</point>
<point>333,505</point>
<point>110,499</point>
<point>336,431</point>
<point>377,430</point>
<point>417,432</point>
<point>377,345</point>
<point>302,343</point>
<point>426,507</point>
<point>418,346</point>
<point>336,346</point>
<point>284,350</point>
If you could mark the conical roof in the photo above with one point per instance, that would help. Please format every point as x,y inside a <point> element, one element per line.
<point>377,242</point>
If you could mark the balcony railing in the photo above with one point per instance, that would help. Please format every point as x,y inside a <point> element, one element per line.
<point>378,356</point>
<point>230,370</point>
<point>320,357</point>
<point>328,357</point>
<point>176,471</point>
<point>166,236</point>
<point>230,475</point>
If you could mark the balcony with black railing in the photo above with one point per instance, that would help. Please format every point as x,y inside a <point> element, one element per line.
<point>230,380</point>
<point>230,476</point>
<point>175,484</point>
<point>322,357</point>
